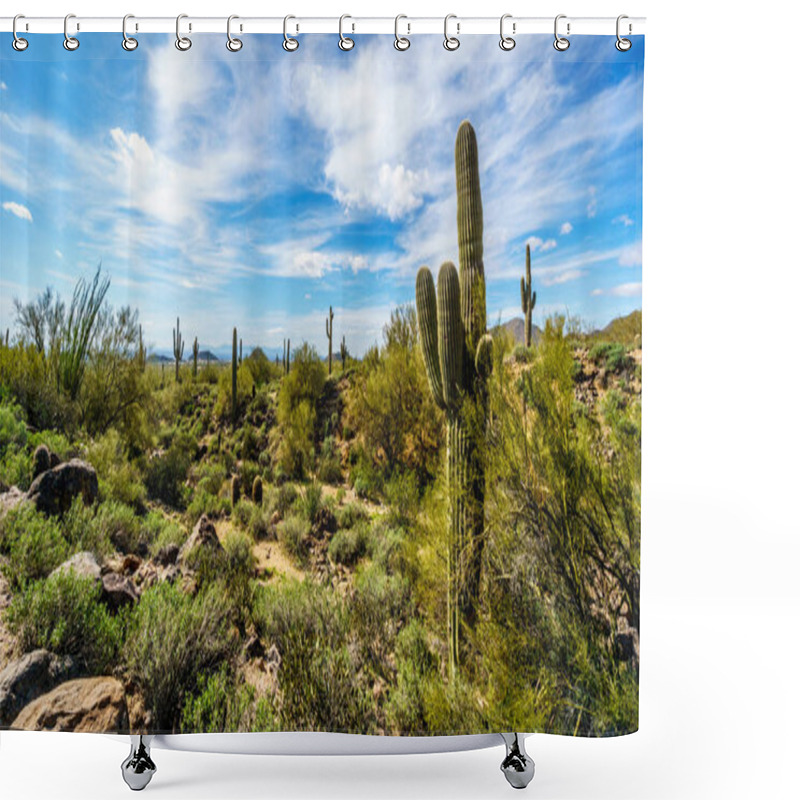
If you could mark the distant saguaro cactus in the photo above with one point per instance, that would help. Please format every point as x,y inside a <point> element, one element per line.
<point>528,297</point>
<point>287,355</point>
<point>258,490</point>
<point>329,334</point>
<point>177,349</point>
<point>458,360</point>
<point>236,489</point>
<point>141,354</point>
<point>234,377</point>
<point>343,353</point>
<point>195,352</point>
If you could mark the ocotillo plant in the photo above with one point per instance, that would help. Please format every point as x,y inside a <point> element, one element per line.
<point>195,352</point>
<point>177,349</point>
<point>234,376</point>
<point>329,334</point>
<point>528,297</point>
<point>458,358</point>
<point>343,353</point>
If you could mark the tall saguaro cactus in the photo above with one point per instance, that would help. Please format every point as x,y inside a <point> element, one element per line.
<point>329,334</point>
<point>195,352</point>
<point>240,352</point>
<point>528,297</point>
<point>177,349</point>
<point>141,355</point>
<point>234,376</point>
<point>287,355</point>
<point>343,353</point>
<point>458,358</point>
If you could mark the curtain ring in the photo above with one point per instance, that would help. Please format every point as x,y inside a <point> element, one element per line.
<point>622,44</point>
<point>507,42</point>
<point>19,44</point>
<point>450,42</point>
<point>70,42</point>
<point>345,42</point>
<point>233,44</point>
<point>128,42</point>
<point>561,43</point>
<point>183,43</point>
<point>289,43</point>
<point>401,42</point>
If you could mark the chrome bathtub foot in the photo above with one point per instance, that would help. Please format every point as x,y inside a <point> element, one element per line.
<point>138,768</point>
<point>517,766</point>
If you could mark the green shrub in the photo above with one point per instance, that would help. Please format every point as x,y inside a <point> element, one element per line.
<point>293,534</point>
<point>64,614</point>
<point>119,478</point>
<point>160,531</point>
<point>32,543</point>
<point>13,431</point>
<point>330,467</point>
<point>402,497</point>
<point>416,667</point>
<point>347,516</point>
<point>166,473</point>
<point>612,354</point>
<point>172,639</point>
<point>310,501</point>
<point>348,545</point>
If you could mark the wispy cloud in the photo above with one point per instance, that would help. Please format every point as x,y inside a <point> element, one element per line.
<point>566,228</point>
<point>18,210</point>
<point>633,289</point>
<point>622,219</point>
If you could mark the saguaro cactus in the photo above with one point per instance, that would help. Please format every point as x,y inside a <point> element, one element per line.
<point>343,353</point>
<point>287,355</point>
<point>236,489</point>
<point>458,358</point>
<point>177,349</point>
<point>528,297</point>
<point>258,490</point>
<point>195,352</point>
<point>233,377</point>
<point>329,334</point>
<point>240,352</point>
<point>141,355</point>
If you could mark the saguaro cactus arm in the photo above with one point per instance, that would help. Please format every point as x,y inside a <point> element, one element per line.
<point>451,335</point>
<point>429,333</point>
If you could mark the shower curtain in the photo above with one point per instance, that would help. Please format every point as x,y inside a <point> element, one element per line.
<point>320,385</point>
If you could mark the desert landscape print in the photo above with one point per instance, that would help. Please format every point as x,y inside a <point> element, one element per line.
<point>320,414</point>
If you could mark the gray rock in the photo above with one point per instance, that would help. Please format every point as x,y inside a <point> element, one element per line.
<point>41,460</point>
<point>25,679</point>
<point>53,491</point>
<point>203,535</point>
<point>118,591</point>
<point>83,564</point>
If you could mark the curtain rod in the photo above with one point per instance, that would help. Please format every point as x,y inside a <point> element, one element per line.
<point>407,25</point>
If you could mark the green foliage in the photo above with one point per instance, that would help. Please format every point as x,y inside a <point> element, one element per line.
<point>261,368</point>
<point>300,390</point>
<point>13,431</point>
<point>223,408</point>
<point>330,467</point>
<point>349,515</point>
<point>32,543</point>
<point>309,501</point>
<point>119,477</point>
<point>172,639</point>
<point>293,534</point>
<point>612,355</point>
<point>64,615</point>
<point>165,473</point>
<point>350,544</point>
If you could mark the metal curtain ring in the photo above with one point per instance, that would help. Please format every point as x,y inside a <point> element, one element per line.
<point>622,44</point>
<point>561,43</point>
<point>401,42</point>
<point>18,43</point>
<point>345,42</point>
<point>507,42</point>
<point>128,42</point>
<point>289,44</point>
<point>233,44</point>
<point>451,42</point>
<point>181,42</point>
<point>70,42</point>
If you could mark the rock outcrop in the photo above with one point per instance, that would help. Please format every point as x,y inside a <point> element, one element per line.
<point>85,705</point>
<point>54,490</point>
<point>83,565</point>
<point>204,535</point>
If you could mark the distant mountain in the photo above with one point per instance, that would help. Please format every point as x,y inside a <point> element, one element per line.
<point>206,355</point>
<point>623,329</point>
<point>155,358</point>
<point>516,327</point>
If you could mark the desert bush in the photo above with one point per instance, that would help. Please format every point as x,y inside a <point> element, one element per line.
<point>523,355</point>
<point>172,639</point>
<point>347,516</point>
<point>244,389</point>
<point>293,534</point>
<point>212,505</point>
<point>13,431</point>
<point>261,368</point>
<point>119,478</point>
<point>330,467</point>
<point>63,614</point>
<point>252,518</point>
<point>320,684</point>
<point>611,354</point>
<point>348,545</point>
<point>165,473</point>
<point>309,501</point>
<point>160,532</point>
<point>32,543</point>
<point>402,496</point>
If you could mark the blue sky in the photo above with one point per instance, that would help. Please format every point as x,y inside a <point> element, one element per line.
<point>257,188</point>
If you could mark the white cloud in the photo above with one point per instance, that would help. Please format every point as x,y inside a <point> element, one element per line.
<point>566,228</point>
<point>631,256</point>
<point>622,219</point>
<point>3,86</point>
<point>541,245</point>
<point>58,253</point>
<point>564,277</point>
<point>623,290</point>
<point>18,210</point>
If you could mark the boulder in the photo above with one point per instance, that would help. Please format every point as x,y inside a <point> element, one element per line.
<point>29,677</point>
<point>167,555</point>
<point>203,535</point>
<point>54,490</point>
<point>10,500</point>
<point>83,564</point>
<point>118,591</point>
<point>41,460</point>
<point>85,705</point>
